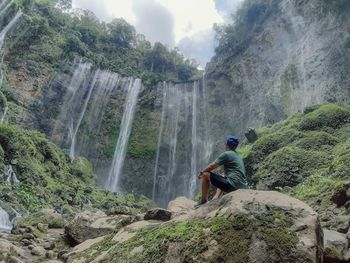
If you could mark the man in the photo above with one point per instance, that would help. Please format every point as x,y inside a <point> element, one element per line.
<point>234,173</point>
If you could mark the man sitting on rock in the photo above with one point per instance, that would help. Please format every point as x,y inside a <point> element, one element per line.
<point>234,173</point>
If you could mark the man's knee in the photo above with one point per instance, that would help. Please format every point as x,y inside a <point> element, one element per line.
<point>206,176</point>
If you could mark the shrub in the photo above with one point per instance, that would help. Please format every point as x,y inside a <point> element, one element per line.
<point>289,166</point>
<point>329,115</point>
<point>317,140</point>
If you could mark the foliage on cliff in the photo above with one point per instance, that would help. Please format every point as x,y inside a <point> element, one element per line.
<point>49,36</point>
<point>306,154</point>
<point>48,178</point>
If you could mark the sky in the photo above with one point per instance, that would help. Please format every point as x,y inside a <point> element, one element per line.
<point>186,24</point>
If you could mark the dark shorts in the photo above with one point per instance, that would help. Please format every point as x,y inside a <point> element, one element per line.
<point>221,183</point>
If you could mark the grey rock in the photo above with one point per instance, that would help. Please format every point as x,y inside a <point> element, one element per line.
<point>158,214</point>
<point>335,246</point>
<point>38,251</point>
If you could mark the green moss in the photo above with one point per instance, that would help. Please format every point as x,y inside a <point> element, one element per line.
<point>48,178</point>
<point>289,166</point>
<point>144,135</point>
<point>314,187</point>
<point>36,218</point>
<point>326,116</point>
<point>245,150</point>
<point>233,237</point>
<point>317,141</point>
<point>269,143</point>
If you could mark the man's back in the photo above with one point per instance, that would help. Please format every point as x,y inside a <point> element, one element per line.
<point>233,168</point>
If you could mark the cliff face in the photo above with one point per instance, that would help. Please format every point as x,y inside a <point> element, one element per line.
<point>298,55</point>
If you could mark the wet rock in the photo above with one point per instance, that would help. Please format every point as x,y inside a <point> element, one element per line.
<point>28,236</point>
<point>181,205</point>
<point>158,214</point>
<point>26,242</point>
<point>14,259</point>
<point>42,227</point>
<point>263,227</point>
<point>6,247</point>
<point>89,225</point>
<point>335,246</point>
<point>50,254</point>
<point>342,195</point>
<point>251,135</point>
<point>38,251</point>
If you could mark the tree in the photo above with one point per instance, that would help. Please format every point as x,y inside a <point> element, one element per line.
<point>122,33</point>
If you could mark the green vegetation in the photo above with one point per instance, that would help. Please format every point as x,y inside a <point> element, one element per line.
<point>307,153</point>
<point>191,239</point>
<point>49,179</point>
<point>52,38</point>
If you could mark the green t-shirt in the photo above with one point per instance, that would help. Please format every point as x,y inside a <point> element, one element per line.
<point>233,168</point>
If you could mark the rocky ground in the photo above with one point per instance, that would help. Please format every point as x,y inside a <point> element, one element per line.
<point>244,226</point>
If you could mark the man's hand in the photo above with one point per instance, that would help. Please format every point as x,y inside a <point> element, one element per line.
<point>200,174</point>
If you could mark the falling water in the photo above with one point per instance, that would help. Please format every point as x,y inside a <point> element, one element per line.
<point>5,223</point>
<point>184,142</point>
<point>4,115</point>
<point>74,130</point>
<point>125,130</point>
<point>3,34</point>
<point>194,159</point>
<point>3,11</point>
<point>11,176</point>
<point>159,142</point>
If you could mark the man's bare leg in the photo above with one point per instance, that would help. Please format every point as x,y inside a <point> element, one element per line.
<point>217,194</point>
<point>205,186</point>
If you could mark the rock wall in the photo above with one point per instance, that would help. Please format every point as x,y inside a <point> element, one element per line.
<point>299,57</point>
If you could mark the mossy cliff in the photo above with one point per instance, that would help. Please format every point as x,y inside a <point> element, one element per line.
<point>49,179</point>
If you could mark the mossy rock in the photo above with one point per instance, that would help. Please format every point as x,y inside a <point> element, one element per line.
<point>289,166</point>
<point>326,116</point>
<point>218,239</point>
<point>317,141</point>
<point>266,145</point>
<point>52,220</point>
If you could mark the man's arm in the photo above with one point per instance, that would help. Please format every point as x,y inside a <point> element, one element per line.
<point>209,168</point>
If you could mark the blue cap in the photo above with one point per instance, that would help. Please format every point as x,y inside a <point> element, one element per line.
<point>232,141</point>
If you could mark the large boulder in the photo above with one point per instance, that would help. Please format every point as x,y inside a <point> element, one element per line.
<point>89,225</point>
<point>243,226</point>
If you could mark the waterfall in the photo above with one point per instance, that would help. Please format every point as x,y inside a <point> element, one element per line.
<point>194,159</point>
<point>4,115</point>
<point>74,130</point>
<point>159,141</point>
<point>3,34</point>
<point>11,176</point>
<point>8,27</point>
<point>184,142</point>
<point>5,223</point>
<point>133,91</point>
<point>3,11</point>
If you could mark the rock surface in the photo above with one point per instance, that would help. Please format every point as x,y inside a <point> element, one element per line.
<point>335,247</point>
<point>88,225</point>
<point>158,214</point>
<point>243,226</point>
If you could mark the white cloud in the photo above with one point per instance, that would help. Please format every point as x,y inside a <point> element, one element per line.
<point>154,21</point>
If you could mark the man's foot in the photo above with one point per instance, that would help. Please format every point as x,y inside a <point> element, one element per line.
<point>199,204</point>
